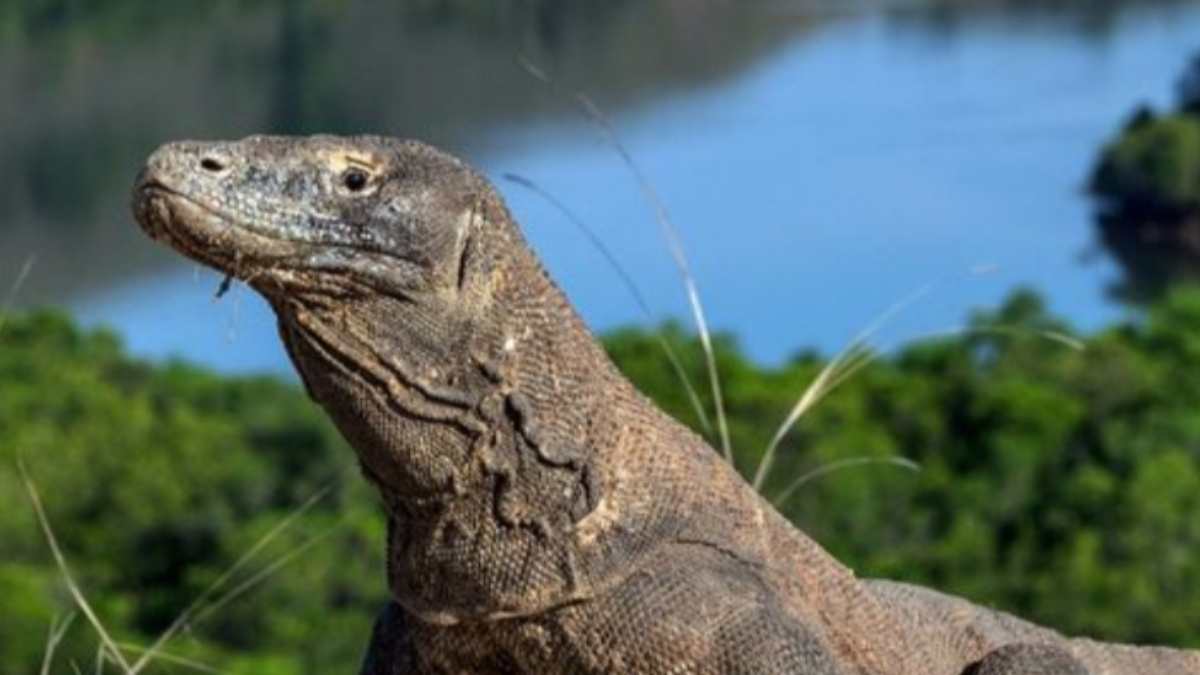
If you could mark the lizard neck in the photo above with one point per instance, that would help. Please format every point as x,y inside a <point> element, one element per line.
<point>496,429</point>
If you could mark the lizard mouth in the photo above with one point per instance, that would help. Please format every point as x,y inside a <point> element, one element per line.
<point>272,265</point>
<point>206,235</point>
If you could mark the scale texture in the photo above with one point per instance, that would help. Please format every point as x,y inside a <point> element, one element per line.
<point>544,517</point>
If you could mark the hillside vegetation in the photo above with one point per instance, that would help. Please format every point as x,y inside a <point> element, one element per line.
<point>1060,484</point>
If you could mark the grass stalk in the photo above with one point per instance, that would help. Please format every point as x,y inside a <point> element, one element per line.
<point>630,285</point>
<point>593,113</point>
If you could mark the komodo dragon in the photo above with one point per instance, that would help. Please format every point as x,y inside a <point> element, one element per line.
<point>544,517</point>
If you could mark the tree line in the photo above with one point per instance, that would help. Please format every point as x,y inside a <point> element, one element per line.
<point>1059,483</point>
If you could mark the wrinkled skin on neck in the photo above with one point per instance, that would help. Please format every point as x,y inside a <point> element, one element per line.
<point>458,371</point>
<point>523,477</point>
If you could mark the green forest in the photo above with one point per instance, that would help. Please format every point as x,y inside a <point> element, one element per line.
<point>1058,480</point>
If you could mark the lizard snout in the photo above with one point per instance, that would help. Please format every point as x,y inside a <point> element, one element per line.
<point>176,165</point>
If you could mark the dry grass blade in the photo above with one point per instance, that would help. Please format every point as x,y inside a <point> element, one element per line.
<point>1054,336</point>
<point>108,647</point>
<point>849,367</point>
<point>172,658</point>
<point>675,244</point>
<point>842,369</point>
<point>812,394</point>
<point>58,630</point>
<point>840,464</point>
<point>185,616</point>
<point>235,317</point>
<point>11,298</point>
<point>850,360</point>
<point>262,574</point>
<point>630,285</point>
<point>593,113</point>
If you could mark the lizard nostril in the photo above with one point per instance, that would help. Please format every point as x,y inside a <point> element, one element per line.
<point>211,164</point>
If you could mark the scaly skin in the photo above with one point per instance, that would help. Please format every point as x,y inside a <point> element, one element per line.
<point>544,517</point>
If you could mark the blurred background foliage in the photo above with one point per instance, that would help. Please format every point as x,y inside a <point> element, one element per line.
<point>157,478</point>
<point>1060,484</point>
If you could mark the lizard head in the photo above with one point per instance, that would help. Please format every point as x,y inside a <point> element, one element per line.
<point>317,212</point>
<point>475,397</point>
<point>369,251</point>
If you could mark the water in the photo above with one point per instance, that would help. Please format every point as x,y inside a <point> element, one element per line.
<point>820,166</point>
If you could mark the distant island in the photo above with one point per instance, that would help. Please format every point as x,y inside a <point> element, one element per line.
<point>1147,186</point>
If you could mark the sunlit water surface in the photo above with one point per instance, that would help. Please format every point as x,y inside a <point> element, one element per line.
<point>849,166</point>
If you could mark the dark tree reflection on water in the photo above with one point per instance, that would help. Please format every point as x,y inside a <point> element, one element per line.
<point>98,85</point>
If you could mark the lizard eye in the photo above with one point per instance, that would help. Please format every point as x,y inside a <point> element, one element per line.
<point>354,180</point>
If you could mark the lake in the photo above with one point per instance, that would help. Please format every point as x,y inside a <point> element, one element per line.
<point>821,164</point>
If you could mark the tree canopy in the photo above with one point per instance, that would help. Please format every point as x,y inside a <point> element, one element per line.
<point>1152,168</point>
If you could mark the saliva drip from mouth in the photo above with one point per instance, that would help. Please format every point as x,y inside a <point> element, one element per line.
<point>224,287</point>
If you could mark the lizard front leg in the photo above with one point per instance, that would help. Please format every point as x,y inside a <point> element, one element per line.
<point>691,611</point>
<point>390,651</point>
